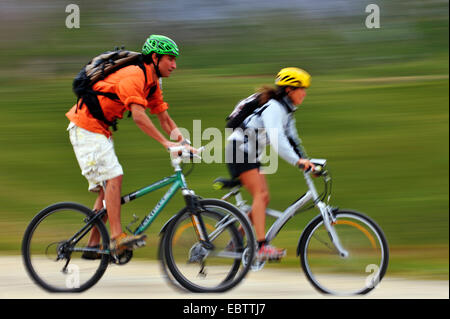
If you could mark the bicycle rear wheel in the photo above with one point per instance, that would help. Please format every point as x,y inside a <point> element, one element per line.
<point>52,250</point>
<point>200,268</point>
<point>360,271</point>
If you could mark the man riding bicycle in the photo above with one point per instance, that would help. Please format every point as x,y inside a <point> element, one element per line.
<point>271,122</point>
<point>92,139</point>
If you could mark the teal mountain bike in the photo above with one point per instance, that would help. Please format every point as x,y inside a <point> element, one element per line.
<point>206,241</point>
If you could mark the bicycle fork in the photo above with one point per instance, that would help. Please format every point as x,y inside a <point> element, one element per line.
<point>197,221</point>
<point>328,221</point>
<point>328,218</point>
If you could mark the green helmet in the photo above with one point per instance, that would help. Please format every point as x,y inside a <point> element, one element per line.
<point>160,44</point>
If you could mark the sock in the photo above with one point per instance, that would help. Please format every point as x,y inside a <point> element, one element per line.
<point>261,242</point>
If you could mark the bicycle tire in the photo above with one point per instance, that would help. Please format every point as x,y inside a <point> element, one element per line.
<point>174,281</point>
<point>356,225</point>
<point>213,209</point>
<point>163,265</point>
<point>28,259</point>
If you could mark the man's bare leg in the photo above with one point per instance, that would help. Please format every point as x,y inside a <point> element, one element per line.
<point>112,198</point>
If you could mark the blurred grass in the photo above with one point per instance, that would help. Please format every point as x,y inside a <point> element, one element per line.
<point>377,110</point>
<point>387,145</point>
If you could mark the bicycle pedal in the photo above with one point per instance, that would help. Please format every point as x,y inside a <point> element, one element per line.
<point>113,258</point>
<point>139,243</point>
<point>123,258</point>
<point>274,260</point>
<point>265,258</point>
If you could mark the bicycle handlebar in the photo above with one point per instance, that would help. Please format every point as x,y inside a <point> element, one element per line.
<point>319,165</point>
<point>181,152</point>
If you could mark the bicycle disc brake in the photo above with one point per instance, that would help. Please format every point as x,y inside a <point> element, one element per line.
<point>197,253</point>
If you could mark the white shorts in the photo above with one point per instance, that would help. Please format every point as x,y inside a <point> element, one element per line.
<point>96,156</point>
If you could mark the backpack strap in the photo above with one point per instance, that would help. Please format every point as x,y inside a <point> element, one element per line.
<point>262,108</point>
<point>152,91</point>
<point>257,112</point>
<point>111,96</point>
<point>140,64</point>
<point>93,105</point>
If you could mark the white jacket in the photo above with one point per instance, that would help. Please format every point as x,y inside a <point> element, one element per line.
<point>274,124</point>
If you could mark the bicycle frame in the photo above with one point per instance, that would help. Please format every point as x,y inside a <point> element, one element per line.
<point>283,217</point>
<point>178,182</point>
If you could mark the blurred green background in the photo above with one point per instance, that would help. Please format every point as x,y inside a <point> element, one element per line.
<point>377,108</point>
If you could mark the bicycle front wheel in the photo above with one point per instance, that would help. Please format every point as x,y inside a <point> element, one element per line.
<point>53,244</point>
<point>357,273</point>
<point>199,267</point>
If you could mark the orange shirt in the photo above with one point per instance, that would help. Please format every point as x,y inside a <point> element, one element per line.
<point>130,86</point>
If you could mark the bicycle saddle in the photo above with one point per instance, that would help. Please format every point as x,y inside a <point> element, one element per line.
<point>222,182</point>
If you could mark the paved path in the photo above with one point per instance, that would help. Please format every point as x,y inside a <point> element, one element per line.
<point>144,280</point>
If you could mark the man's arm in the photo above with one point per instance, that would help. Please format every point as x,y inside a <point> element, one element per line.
<point>169,126</point>
<point>146,125</point>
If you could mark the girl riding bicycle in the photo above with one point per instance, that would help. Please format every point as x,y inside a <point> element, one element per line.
<point>272,122</point>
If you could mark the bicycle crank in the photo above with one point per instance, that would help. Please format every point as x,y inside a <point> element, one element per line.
<point>123,258</point>
<point>257,264</point>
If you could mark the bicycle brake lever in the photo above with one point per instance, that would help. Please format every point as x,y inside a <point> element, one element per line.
<point>199,151</point>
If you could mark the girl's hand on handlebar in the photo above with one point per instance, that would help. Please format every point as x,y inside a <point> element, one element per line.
<point>305,164</point>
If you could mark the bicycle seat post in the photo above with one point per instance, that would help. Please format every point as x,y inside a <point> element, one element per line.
<point>238,196</point>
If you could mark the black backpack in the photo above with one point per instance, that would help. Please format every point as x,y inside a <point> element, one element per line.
<point>97,69</point>
<point>242,110</point>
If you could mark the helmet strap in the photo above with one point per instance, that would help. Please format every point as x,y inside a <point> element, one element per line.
<point>156,65</point>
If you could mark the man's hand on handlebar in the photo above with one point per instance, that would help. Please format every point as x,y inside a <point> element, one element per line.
<point>171,146</point>
<point>168,144</point>
<point>184,151</point>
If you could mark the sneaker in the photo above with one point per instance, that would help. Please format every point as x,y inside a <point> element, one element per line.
<point>91,255</point>
<point>268,252</point>
<point>124,241</point>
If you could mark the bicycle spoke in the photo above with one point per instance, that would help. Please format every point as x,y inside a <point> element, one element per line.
<point>326,244</point>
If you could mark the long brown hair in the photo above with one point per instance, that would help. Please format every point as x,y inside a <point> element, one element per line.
<point>269,92</point>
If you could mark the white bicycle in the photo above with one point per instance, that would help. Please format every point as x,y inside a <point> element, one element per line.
<point>342,252</point>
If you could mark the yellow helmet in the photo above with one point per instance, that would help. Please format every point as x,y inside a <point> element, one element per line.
<point>293,77</point>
